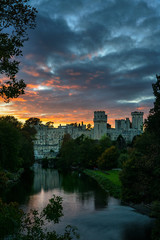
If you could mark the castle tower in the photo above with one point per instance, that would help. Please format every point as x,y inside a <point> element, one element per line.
<point>137,120</point>
<point>100,124</point>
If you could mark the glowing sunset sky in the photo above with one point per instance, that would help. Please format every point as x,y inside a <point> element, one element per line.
<point>87,55</point>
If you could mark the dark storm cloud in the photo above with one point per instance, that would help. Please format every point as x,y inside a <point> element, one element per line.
<point>86,54</point>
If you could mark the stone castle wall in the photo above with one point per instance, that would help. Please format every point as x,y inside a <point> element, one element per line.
<point>49,139</point>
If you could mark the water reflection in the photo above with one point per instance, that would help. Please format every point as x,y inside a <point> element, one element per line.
<point>21,191</point>
<point>115,223</point>
<point>87,206</point>
<point>77,191</point>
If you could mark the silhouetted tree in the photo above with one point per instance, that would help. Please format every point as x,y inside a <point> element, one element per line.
<point>20,226</point>
<point>141,172</point>
<point>104,143</point>
<point>32,121</point>
<point>16,144</point>
<point>89,126</point>
<point>12,120</point>
<point>15,18</point>
<point>152,124</point>
<point>49,124</point>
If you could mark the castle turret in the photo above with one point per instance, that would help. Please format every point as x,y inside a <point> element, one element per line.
<point>100,124</point>
<point>137,120</point>
<point>122,124</point>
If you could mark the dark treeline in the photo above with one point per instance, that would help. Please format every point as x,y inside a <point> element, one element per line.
<point>140,175</point>
<point>16,148</point>
<point>84,152</point>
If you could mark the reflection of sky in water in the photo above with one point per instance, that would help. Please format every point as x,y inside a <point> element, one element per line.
<point>86,206</point>
<point>72,206</point>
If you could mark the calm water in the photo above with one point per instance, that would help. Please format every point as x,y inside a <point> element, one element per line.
<point>85,204</point>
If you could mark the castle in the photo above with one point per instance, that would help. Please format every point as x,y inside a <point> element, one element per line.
<point>49,139</point>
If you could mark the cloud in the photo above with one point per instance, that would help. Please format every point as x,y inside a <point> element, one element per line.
<point>88,55</point>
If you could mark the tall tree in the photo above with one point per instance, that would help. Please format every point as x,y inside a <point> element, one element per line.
<point>12,120</point>
<point>16,144</point>
<point>152,124</point>
<point>89,126</point>
<point>15,18</point>
<point>141,172</point>
<point>49,124</point>
<point>32,121</point>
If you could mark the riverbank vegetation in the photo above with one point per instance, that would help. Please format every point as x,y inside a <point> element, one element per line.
<point>140,175</point>
<point>108,180</point>
<point>16,147</point>
<point>86,153</point>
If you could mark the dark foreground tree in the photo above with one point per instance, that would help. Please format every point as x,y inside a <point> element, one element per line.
<point>141,173</point>
<point>15,18</point>
<point>152,124</point>
<point>20,226</point>
<point>16,144</point>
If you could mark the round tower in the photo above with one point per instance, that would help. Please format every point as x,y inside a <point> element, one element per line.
<point>100,124</point>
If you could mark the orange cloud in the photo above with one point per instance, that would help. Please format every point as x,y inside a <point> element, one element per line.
<point>31,72</point>
<point>3,79</point>
<point>52,82</point>
<point>19,100</point>
<point>76,87</point>
<point>32,85</point>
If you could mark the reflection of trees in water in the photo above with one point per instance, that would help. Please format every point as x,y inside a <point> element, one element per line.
<point>22,189</point>
<point>47,179</point>
<point>85,187</point>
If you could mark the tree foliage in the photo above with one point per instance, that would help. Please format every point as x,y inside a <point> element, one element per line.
<point>49,124</point>
<point>141,172</point>
<point>10,218</point>
<point>16,145</point>
<point>15,18</point>
<point>32,121</point>
<point>28,226</point>
<point>123,157</point>
<point>10,144</point>
<point>89,126</point>
<point>81,152</point>
<point>108,159</point>
<point>152,123</point>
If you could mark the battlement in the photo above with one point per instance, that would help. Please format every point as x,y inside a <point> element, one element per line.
<point>137,113</point>
<point>100,116</point>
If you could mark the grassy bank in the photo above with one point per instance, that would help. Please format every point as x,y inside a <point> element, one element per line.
<point>108,180</point>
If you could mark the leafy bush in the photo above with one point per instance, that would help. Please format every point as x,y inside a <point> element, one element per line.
<point>108,159</point>
<point>28,226</point>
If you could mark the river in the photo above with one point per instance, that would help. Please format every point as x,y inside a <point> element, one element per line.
<point>85,205</point>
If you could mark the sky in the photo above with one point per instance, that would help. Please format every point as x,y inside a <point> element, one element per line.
<point>86,56</point>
